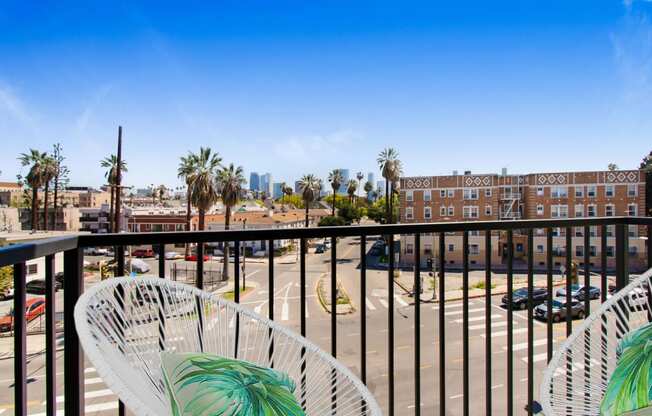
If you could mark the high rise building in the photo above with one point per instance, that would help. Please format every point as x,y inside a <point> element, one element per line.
<point>371,178</point>
<point>254,181</point>
<point>266,184</point>
<point>297,187</point>
<point>346,175</point>
<point>277,191</point>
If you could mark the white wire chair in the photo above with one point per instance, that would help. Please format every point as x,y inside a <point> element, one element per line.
<point>124,324</point>
<point>577,376</point>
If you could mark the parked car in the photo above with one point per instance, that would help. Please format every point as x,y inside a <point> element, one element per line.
<point>375,251</point>
<point>519,297</point>
<point>559,310</point>
<point>193,257</point>
<point>579,292</point>
<point>138,266</point>
<point>37,286</point>
<point>96,251</point>
<point>143,252</point>
<point>171,255</point>
<point>7,294</point>
<point>34,308</point>
<point>320,249</point>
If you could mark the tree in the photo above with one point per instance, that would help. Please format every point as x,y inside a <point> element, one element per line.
<point>349,213</point>
<point>61,178</point>
<point>335,178</point>
<point>111,175</point>
<point>308,186</point>
<point>368,187</point>
<point>185,171</point>
<point>230,180</point>
<point>6,278</point>
<point>389,164</point>
<point>318,188</point>
<point>359,176</point>
<point>646,163</point>
<point>351,187</point>
<point>49,171</point>
<point>331,221</point>
<point>204,191</point>
<point>283,185</point>
<point>34,178</point>
<point>612,167</point>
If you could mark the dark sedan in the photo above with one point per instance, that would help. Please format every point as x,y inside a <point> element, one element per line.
<point>519,297</point>
<point>37,286</point>
<point>579,292</point>
<point>559,310</point>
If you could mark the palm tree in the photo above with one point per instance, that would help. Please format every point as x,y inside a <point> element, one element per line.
<point>388,161</point>
<point>230,180</point>
<point>335,178</point>
<point>359,176</point>
<point>34,178</point>
<point>368,187</point>
<point>287,191</point>
<point>49,169</point>
<point>203,189</point>
<point>308,185</point>
<point>283,185</point>
<point>351,187</point>
<point>185,171</point>
<point>319,187</point>
<point>111,162</point>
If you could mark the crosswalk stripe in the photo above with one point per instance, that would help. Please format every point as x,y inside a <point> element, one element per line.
<point>536,357</point>
<point>382,302</point>
<point>452,305</point>
<point>523,345</point>
<point>460,312</point>
<point>370,305</point>
<point>285,312</point>
<point>95,380</point>
<point>475,318</point>
<point>503,333</point>
<point>483,326</point>
<point>93,408</point>
<point>400,300</point>
<point>89,395</point>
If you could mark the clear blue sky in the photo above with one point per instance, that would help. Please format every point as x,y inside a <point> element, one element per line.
<point>307,86</point>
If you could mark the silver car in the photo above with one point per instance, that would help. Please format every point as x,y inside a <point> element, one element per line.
<point>559,310</point>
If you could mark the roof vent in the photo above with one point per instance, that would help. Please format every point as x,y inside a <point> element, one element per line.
<point>454,173</point>
<point>467,172</point>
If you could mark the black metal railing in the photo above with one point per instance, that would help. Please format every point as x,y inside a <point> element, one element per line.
<point>72,249</point>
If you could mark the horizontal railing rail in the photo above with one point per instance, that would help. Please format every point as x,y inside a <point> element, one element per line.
<point>73,253</point>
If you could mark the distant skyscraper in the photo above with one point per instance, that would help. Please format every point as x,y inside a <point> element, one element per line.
<point>297,187</point>
<point>371,178</point>
<point>254,181</point>
<point>345,180</point>
<point>380,187</point>
<point>278,191</point>
<point>266,184</point>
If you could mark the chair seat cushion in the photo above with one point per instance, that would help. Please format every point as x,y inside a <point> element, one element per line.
<point>202,384</point>
<point>629,391</point>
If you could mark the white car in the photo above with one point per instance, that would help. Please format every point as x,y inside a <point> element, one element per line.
<point>139,266</point>
<point>95,251</point>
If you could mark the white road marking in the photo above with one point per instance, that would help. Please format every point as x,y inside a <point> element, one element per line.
<point>258,308</point>
<point>370,305</point>
<point>503,333</point>
<point>482,326</point>
<point>383,302</point>
<point>94,408</point>
<point>89,395</point>
<point>460,312</point>
<point>95,380</point>
<point>523,345</point>
<point>475,319</point>
<point>400,300</point>
<point>285,310</point>
<point>536,358</point>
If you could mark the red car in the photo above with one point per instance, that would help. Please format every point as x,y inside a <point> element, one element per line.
<point>193,257</point>
<point>143,252</point>
<point>34,308</point>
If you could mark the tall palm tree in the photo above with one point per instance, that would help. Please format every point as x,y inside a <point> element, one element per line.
<point>49,169</point>
<point>204,191</point>
<point>34,178</point>
<point>359,176</point>
<point>283,186</point>
<point>396,176</point>
<point>368,187</point>
<point>186,169</point>
<point>335,178</point>
<point>351,187</point>
<point>387,161</point>
<point>318,188</point>
<point>308,185</point>
<point>230,180</point>
<point>288,191</point>
<point>111,162</point>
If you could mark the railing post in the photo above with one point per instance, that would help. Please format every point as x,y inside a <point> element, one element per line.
<point>622,253</point>
<point>73,357</point>
<point>50,337</point>
<point>20,341</point>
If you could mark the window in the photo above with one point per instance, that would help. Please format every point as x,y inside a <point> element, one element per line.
<point>539,248</point>
<point>632,189</point>
<point>427,249</point>
<point>487,210</point>
<point>579,192</point>
<point>593,231</point>
<point>470,193</point>
<point>579,232</point>
<point>559,192</point>
<point>408,213</point>
<point>579,210</point>
<point>540,209</point>
<point>539,190</point>
<point>610,251</point>
<point>451,247</point>
<point>427,213</point>
<point>609,210</point>
<point>442,211</point>
<point>519,247</point>
<point>633,231</point>
<point>470,212</point>
<point>609,191</point>
<point>442,193</point>
<point>487,192</point>
<point>409,248</point>
<point>427,196</point>
<point>556,232</point>
<point>559,211</point>
<point>632,250</point>
<point>32,268</point>
<point>451,193</point>
<point>593,251</point>
<point>591,211</point>
<point>611,230</point>
<point>409,196</point>
<point>474,249</point>
<point>579,251</point>
<point>590,191</point>
<point>451,211</point>
<point>631,210</point>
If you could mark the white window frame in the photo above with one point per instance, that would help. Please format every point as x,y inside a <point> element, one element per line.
<point>450,193</point>
<point>487,210</point>
<point>474,249</point>
<point>540,209</point>
<point>471,193</point>
<point>442,211</point>
<point>632,212</point>
<point>470,211</point>
<point>442,193</point>
<point>579,192</point>
<point>632,189</point>
<point>609,191</point>
<point>451,211</point>
<point>591,191</point>
<point>427,196</point>
<point>557,211</point>
<point>409,196</point>
<point>487,192</point>
<point>559,192</point>
<point>409,213</point>
<point>427,213</point>
<point>579,208</point>
<point>591,210</point>
<point>540,191</point>
<point>609,210</point>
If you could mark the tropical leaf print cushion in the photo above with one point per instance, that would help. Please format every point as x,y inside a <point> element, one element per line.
<point>630,387</point>
<point>200,384</point>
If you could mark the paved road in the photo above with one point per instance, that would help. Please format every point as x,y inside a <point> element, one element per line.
<point>100,400</point>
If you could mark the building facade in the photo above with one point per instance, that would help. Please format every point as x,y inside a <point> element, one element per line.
<point>254,182</point>
<point>496,197</point>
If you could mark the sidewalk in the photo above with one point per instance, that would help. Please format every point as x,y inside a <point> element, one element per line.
<point>35,345</point>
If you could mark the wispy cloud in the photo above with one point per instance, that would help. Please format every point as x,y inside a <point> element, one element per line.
<point>81,122</point>
<point>12,106</point>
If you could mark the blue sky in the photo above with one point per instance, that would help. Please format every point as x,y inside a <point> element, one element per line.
<point>304,87</point>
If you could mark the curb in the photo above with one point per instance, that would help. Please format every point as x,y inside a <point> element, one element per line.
<point>479,295</point>
<point>322,301</point>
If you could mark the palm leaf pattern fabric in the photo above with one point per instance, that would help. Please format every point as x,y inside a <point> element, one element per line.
<point>200,384</point>
<point>630,386</point>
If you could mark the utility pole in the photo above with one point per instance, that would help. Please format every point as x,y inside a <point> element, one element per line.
<point>118,183</point>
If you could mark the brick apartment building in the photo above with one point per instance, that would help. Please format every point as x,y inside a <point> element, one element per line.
<point>495,197</point>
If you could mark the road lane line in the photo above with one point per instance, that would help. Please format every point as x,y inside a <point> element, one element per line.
<point>88,395</point>
<point>482,326</point>
<point>370,305</point>
<point>503,333</point>
<point>523,345</point>
<point>383,302</point>
<point>94,380</point>
<point>536,358</point>
<point>460,312</point>
<point>476,318</point>
<point>285,310</point>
